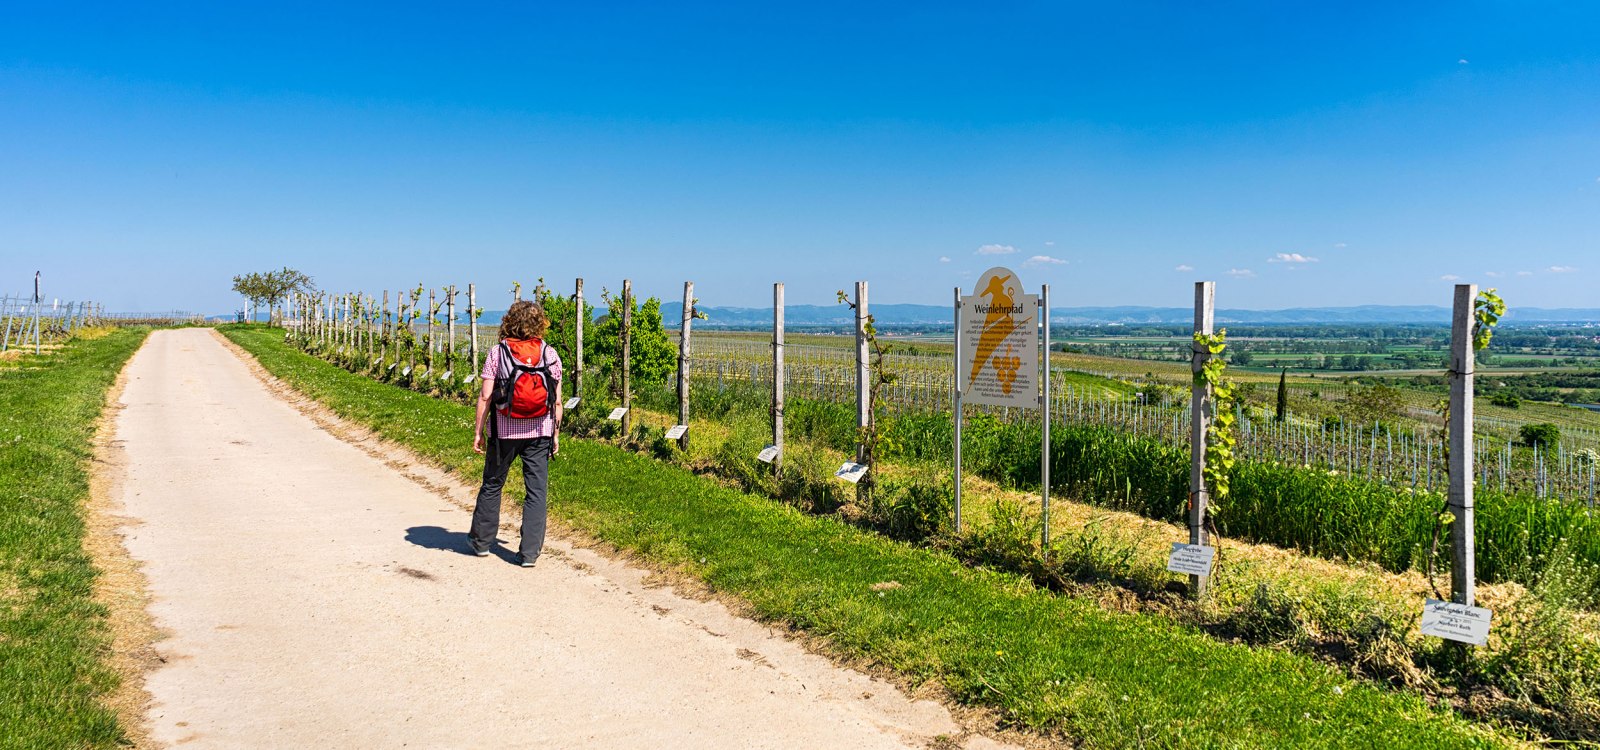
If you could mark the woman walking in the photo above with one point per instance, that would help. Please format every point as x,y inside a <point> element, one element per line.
<point>522,387</point>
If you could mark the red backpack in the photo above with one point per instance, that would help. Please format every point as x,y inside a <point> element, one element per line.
<point>527,390</point>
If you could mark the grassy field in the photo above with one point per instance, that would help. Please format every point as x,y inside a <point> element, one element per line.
<point>1057,664</point>
<point>52,633</point>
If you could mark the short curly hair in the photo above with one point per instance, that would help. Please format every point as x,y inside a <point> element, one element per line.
<point>525,320</point>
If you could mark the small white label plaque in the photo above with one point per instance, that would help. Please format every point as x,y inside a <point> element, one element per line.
<point>851,472</point>
<point>1456,622</point>
<point>767,454</point>
<point>405,372</point>
<point>677,431</point>
<point>616,414</point>
<point>1191,559</point>
<point>572,403</point>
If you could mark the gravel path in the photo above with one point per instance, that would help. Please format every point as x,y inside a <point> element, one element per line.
<point>315,595</point>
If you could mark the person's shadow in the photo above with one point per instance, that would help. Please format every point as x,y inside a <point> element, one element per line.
<point>435,537</point>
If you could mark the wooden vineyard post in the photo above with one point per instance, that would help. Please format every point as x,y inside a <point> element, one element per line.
<point>432,307</point>
<point>577,330</point>
<point>627,357</point>
<point>777,376</point>
<point>955,407</point>
<point>862,394</point>
<point>383,331</point>
<point>1463,573</point>
<point>684,358</point>
<point>450,331</point>
<point>1199,415</point>
<point>472,328</point>
<point>1044,410</point>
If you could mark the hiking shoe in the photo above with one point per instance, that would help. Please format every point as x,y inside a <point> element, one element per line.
<point>480,553</point>
<point>526,562</point>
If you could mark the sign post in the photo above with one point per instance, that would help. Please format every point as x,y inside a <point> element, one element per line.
<point>997,359</point>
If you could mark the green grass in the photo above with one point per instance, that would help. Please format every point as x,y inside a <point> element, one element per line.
<point>52,633</point>
<point>1052,663</point>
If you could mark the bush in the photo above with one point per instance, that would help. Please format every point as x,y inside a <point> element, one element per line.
<point>1544,435</point>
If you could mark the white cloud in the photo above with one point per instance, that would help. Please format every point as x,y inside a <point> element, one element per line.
<point>1449,277</point>
<point>1040,260</point>
<point>1291,258</point>
<point>1524,273</point>
<point>1184,268</point>
<point>1241,273</point>
<point>1562,269</point>
<point>1493,274</point>
<point>996,250</point>
<point>1340,244</point>
<point>944,259</point>
<point>1463,61</point>
<point>1050,243</point>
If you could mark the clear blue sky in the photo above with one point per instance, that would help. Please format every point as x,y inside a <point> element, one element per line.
<point>147,155</point>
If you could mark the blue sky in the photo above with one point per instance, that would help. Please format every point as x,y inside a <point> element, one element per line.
<point>1298,155</point>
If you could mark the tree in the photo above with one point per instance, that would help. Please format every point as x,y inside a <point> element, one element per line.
<point>653,355</point>
<point>1374,403</point>
<point>1542,435</point>
<point>1283,395</point>
<point>272,287</point>
<point>563,334</point>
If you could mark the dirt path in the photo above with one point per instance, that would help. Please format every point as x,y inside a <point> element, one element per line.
<point>313,597</point>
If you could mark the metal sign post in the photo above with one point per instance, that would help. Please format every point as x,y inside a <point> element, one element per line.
<point>997,355</point>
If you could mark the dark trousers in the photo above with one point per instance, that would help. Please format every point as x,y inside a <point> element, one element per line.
<point>535,453</point>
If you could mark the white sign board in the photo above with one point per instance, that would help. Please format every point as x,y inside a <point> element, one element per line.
<point>677,431</point>
<point>767,454</point>
<point>851,472</point>
<point>616,414</point>
<point>572,403</point>
<point>1456,622</point>
<point>999,333</point>
<point>1191,559</point>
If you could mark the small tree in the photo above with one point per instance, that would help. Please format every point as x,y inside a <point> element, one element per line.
<point>1376,402</point>
<point>652,356</point>
<point>1283,396</point>
<point>1543,435</point>
<point>563,334</point>
<point>272,288</point>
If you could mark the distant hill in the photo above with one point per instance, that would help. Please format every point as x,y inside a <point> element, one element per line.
<point>939,315</point>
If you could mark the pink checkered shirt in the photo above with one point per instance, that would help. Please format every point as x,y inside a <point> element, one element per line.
<point>512,428</point>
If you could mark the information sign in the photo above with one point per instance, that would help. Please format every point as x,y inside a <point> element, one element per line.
<point>1191,559</point>
<point>616,414</point>
<point>572,403</point>
<point>767,454</point>
<point>1456,622</point>
<point>677,431</point>
<point>999,343</point>
<point>851,472</point>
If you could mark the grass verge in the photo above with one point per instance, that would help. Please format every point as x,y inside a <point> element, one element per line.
<point>1055,664</point>
<point>52,633</point>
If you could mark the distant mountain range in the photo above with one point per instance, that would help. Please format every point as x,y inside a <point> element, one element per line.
<point>939,315</point>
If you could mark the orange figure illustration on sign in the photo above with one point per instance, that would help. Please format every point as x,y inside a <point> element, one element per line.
<point>998,324</point>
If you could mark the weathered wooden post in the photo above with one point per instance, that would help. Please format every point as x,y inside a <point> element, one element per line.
<point>1044,410</point>
<point>863,394</point>
<point>577,328</point>
<point>384,323</point>
<point>433,309</point>
<point>627,357</point>
<point>450,331</point>
<point>1463,571</point>
<point>777,376</point>
<point>684,355</point>
<point>472,329</point>
<point>1200,419</point>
